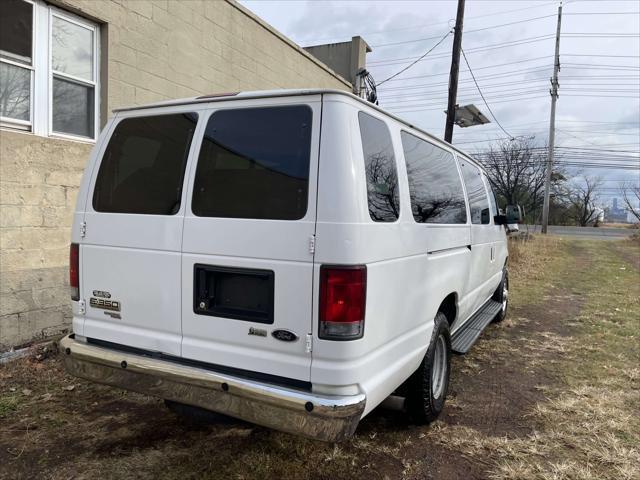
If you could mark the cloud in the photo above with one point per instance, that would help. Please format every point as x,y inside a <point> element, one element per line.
<point>510,76</point>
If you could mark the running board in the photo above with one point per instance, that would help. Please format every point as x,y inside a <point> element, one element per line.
<point>464,338</point>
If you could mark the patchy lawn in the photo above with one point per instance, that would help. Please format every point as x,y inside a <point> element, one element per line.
<point>551,393</point>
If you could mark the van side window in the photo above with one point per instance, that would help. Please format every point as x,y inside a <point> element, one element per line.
<point>380,167</point>
<point>492,196</point>
<point>478,201</point>
<point>254,163</point>
<point>142,169</point>
<point>435,187</point>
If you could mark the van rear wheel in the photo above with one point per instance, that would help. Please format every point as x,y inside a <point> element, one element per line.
<point>426,389</point>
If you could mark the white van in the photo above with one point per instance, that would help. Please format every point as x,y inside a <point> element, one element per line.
<point>290,258</point>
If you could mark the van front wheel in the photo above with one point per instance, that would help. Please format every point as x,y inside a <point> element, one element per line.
<point>502,295</point>
<point>427,387</point>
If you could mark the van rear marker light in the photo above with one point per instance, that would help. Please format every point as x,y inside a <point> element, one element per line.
<point>342,301</point>
<point>74,271</point>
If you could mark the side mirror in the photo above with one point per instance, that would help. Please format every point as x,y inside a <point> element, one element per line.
<point>513,214</point>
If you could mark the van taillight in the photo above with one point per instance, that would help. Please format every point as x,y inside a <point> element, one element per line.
<point>342,301</point>
<point>74,271</point>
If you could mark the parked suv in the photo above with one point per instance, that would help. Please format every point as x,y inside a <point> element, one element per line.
<point>290,258</point>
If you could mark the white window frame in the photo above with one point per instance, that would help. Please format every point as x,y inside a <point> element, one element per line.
<point>41,107</point>
<point>14,122</point>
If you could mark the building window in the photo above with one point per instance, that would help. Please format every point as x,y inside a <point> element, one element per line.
<point>16,57</point>
<point>48,70</point>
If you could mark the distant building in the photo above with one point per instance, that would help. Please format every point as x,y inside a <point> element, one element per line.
<point>616,214</point>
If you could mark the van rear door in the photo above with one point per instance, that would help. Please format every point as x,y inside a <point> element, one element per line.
<point>247,263</point>
<point>130,256</point>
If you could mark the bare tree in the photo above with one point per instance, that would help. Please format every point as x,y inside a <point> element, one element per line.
<point>583,196</point>
<point>516,170</point>
<point>631,197</point>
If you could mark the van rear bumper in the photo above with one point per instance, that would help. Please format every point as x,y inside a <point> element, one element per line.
<point>322,417</point>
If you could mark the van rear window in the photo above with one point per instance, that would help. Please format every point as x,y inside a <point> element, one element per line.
<point>380,167</point>
<point>142,169</point>
<point>254,163</point>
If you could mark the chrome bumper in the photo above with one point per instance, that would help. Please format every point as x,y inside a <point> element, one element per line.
<point>322,417</point>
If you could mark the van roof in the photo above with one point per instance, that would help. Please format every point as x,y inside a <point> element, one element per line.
<point>225,97</point>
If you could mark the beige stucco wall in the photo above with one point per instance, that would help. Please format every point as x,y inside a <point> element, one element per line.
<point>152,50</point>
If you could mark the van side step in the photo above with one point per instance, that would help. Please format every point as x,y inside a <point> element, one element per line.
<point>464,338</point>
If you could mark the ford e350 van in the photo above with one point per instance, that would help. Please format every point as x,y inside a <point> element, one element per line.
<point>290,258</point>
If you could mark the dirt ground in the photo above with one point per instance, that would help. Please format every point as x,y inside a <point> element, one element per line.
<point>551,393</point>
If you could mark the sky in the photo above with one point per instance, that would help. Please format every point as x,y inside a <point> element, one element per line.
<point>509,46</point>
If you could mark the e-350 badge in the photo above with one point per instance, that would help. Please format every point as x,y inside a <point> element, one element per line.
<point>105,304</point>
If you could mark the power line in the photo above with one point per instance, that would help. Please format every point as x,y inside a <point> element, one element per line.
<point>524,87</point>
<point>484,48</point>
<point>602,96</point>
<point>567,34</point>
<point>617,78</point>
<point>502,93</point>
<point>492,75</point>
<point>404,42</point>
<point>516,72</point>
<point>481,94</point>
<point>601,34</point>
<point>589,55</point>
<point>602,13</point>
<point>442,107</point>
<point>467,98</point>
<point>544,57</point>
<point>469,31</point>
<point>432,108</point>
<point>412,64</point>
<point>377,32</point>
<point>510,23</point>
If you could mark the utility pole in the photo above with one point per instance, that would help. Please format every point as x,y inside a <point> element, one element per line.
<point>552,127</point>
<point>453,75</point>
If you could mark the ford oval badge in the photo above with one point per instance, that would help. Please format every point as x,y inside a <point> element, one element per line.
<point>284,335</point>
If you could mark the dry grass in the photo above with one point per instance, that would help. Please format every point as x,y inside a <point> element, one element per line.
<point>529,259</point>
<point>585,427</point>
<point>529,255</point>
<point>588,428</point>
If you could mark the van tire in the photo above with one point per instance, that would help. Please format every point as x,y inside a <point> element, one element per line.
<point>426,392</point>
<point>501,295</point>
<point>192,415</point>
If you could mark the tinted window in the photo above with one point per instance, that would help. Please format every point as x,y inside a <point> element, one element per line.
<point>478,201</point>
<point>142,169</point>
<point>435,187</point>
<point>492,196</point>
<point>380,167</point>
<point>254,163</point>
